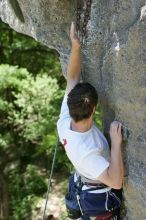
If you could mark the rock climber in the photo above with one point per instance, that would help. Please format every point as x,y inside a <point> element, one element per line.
<point>85,145</point>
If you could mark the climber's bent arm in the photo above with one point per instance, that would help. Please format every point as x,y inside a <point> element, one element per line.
<point>74,64</point>
<point>113,175</point>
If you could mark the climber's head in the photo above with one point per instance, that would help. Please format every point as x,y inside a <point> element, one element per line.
<point>82,101</point>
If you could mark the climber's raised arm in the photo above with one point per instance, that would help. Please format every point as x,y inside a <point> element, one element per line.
<point>74,64</point>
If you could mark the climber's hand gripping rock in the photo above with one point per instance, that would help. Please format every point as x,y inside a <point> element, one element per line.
<point>115,133</point>
<point>73,36</point>
<point>74,64</point>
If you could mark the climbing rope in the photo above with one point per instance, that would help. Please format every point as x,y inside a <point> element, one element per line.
<point>50,177</point>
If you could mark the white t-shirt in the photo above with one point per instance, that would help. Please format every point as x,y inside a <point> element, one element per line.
<point>88,151</point>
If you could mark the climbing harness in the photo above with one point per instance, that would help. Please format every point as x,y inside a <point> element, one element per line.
<point>95,201</point>
<point>50,177</point>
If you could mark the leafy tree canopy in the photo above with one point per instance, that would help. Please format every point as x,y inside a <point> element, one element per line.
<point>29,108</point>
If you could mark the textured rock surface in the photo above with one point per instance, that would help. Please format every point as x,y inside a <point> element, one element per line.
<point>114,62</point>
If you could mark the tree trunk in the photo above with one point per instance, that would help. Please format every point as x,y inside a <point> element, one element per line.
<point>4,197</point>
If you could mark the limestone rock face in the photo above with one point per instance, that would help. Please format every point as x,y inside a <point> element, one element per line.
<point>114,61</point>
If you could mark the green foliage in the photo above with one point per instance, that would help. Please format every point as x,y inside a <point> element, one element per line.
<point>36,111</point>
<point>31,105</point>
<point>98,117</point>
<point>29,109</point>
<point>24,190</point>
<point>24,51</point>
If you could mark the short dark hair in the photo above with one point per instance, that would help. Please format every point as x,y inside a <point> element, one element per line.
<point>81,101</point>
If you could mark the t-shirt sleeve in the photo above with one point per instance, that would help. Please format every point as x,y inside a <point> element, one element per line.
<point>64,113</point>
<point>92,165</point>
<point>63,122</point>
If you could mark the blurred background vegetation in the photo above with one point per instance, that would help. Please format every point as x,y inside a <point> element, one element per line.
<point>31,92</point>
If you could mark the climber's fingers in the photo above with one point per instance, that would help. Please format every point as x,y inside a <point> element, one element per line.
<point>73,34</point>
<point>115,132</point>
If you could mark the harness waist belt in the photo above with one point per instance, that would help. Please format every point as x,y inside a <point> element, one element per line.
<point>89,182</point>
<point>103,190</point>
